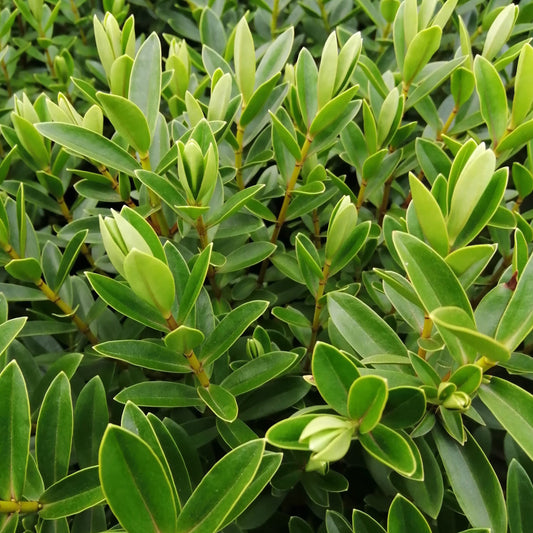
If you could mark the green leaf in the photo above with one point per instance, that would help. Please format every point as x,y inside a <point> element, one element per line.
<point>9,330</point>
<point>220,489</point>
<point>268,467</point>
<point>286,433</point>
<point>422,264</point>
<point>53,436</point>
<point>405,407</point>
<point>160,394</point>
<point>499,31</point>
<point>390,448</point>
<point>286,137</point>
<point>419,51</point>
<point>427,494</point>
<point>69,258</point>
<point>229,329</point>
<point>244,56</point>
<point>90,145</point>
<point>33,143</point>
<point>492,98</point>
<point>15,435</point>
<point>163,187</point>
<point>306,83</point>
<point>134,483</point>
<point>124,300</point>
<point>146,354</point>
<point>517,319</point>
<point>473,482</point>
<point>366,401</point>
<point>275,56</point>
<point>258,371</point>
<point>247,255</point>
<point>26,269</point>
<point>90,421</point>
<point>220,401</point>
<point>366,332</point>
<point>183,339</point>
<point>404,516</point>
<point>519,495</point>
<point>469,262</point>
<point>211,29</point>
<point>194,284</point>
<point>257,101</point>
<point>331,112</point>
<point>72,494</point>
<point>128,120</point>
<point>145,80</point>
<point>232,205</point>
<point>151,279</point>
<point>458,322</point>
<point>513,408</point>
<point>429,216</point>
<point>432,159</point>
<point>333,374</point>
<point>364,523</point>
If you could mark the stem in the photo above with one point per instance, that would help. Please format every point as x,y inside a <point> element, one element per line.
<point>324,15</point>
<point>69,218</point>
<point>238,154</point>
<point>196,366</point>
<point>274,20</point>
<point>157,219</point>
<point>114,184</point>
<point>426,334</point>
<point>19,507</point>
<point>286,202</point>
<point>405,88</point>
<point>50,63</point>
<point>316,229</point>
<point>57,300</point>
<point>485,364</point>
<point>315,327</point>
<point>361,195</point>
<point>385,200</point>
<point>448,123</point>
<point>6,76</point>
<point>204,243</point>
<point>76,14</point>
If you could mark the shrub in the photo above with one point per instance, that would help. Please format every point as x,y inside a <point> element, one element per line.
<point>266,267</point>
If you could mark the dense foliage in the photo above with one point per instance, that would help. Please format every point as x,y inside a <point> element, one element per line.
<point>266,266</point>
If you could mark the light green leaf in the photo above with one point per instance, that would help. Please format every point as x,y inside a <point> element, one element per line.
<point>429,216</point>
<point>419,51</point>
<point>145,80</point>
<point>492,98</point>
<point>134,483</point>
<point>220,489</point>
<point>499,31</point>
<point>306,83</point>
<point>128,120</point>
<point>244,56</point>
<point>523,96</point>
<point>247,255</point>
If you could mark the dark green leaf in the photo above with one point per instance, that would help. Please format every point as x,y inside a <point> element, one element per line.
<point>160,394</point>
<point>220,401</point>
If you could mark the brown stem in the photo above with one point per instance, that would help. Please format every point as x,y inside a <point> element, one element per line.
<point>315,327</point>
<point>57,300</point>
<point>316,229</point>
<point>426,334</point>
<point>196,366</point>
<point>9,507</point>
<point>6,76</point>
<point>114,184</point>
<point>385,200</point>
<point>285,205</point>
<point>238,154</point>
<point>204,243</point>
